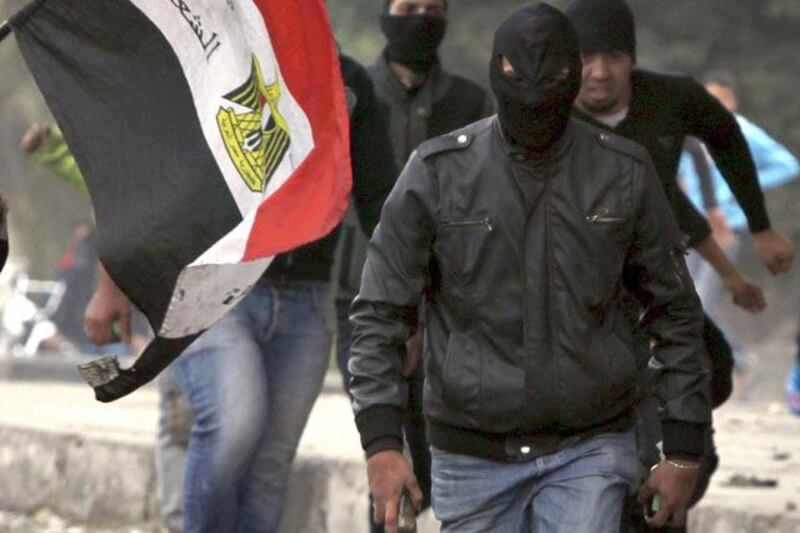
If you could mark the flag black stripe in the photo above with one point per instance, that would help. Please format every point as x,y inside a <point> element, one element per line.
<point>119,93</point>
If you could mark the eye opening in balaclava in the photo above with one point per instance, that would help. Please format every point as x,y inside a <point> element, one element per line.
<point>538,44</point>
<point>413,40</point>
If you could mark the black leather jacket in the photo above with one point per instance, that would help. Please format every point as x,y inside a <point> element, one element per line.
<point>531,340</point>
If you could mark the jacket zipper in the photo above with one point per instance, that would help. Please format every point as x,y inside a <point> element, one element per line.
<point>602,219</point>
<point>470,222</point>
<point>548,319</point>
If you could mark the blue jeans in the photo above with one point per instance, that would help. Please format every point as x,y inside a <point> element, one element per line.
<point>580,489</point>
<point>252,380</point>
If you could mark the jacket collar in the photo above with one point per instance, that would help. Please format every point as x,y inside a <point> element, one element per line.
<point>520,154</point>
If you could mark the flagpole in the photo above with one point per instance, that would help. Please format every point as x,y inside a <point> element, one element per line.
<point>5,29</point>
<point>24,12</point>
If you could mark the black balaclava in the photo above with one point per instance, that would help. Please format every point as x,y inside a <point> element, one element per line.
<point>413,40</point>
<point>541,44</point>
<point>603,25</point>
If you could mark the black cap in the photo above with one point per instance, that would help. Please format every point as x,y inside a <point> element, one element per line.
<point>603,25</point>
<point>389,2</point>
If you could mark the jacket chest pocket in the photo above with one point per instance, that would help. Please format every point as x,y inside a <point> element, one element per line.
<point>607,227</point>
<point>607,234</point>
<point>463,245</point>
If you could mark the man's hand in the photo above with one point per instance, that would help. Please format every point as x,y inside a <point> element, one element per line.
<point>775,250</point>
<point>413,353</point>
<point>673,481</point>
<point>389,475</point>
<point>34,138</point>
<point>746,293</point>
<point>108,307</point>
<point>719,227</point>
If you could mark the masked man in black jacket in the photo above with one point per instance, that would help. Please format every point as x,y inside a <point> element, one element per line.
<point>530,229</point>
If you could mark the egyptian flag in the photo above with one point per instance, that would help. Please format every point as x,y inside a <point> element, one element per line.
<point>212,135</point>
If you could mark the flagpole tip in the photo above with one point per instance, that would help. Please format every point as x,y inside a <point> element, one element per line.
<point>5,30</point>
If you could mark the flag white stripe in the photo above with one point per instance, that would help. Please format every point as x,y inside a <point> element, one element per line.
<point>217,279</point>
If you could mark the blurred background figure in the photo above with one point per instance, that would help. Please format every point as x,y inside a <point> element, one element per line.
<point>79,268</point>
<point>703,182</point>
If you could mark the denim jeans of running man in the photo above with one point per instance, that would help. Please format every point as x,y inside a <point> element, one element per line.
<point>580,489</point>
<point>252,380</point>
<point>711,292</point>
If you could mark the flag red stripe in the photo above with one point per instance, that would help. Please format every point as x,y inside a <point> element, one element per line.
<point>312,201</point>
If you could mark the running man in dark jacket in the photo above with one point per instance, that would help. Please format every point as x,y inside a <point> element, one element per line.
<point>658,111</point>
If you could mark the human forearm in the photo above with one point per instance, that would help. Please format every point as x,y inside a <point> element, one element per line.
<point>376,366</point>
<point>723,138</point>
<point>691,222</point>
<point>108,307</point>
<point>714,256</point>
<point>655,272</point>
<point>384,313</point>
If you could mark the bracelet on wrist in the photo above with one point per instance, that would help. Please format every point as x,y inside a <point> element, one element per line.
<point>681,466</point>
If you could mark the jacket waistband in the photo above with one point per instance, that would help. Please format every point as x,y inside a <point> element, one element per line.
<point>517,447</point>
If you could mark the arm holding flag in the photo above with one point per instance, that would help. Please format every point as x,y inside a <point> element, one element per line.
<point>47,146</point>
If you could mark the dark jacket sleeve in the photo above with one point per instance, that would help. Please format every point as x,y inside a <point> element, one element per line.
<point>384,313</point>
<point>702,170</point>
<point>374,170</point>
<point>655,271</point>
<point>691,222</point>
<point>709,121</point>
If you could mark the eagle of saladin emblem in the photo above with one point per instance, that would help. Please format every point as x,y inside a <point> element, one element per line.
<point>257,138</point>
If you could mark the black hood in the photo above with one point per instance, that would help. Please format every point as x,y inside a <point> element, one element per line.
<point>534,104</point>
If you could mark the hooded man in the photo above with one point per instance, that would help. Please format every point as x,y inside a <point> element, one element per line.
<point>527,227</point>
<point>424,100</point>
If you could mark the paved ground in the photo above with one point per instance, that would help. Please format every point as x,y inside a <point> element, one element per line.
<point>759,442</point>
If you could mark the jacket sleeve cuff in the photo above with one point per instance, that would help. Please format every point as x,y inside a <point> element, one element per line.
<point>762,224</point>
<point>698,235</point>
<point>383,444</point>
<point>683,440</point>
<point>381,428</point>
